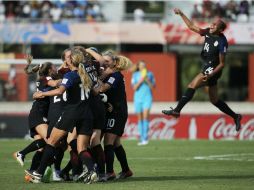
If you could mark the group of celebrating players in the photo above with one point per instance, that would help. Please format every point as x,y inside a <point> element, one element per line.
<point>85,100</point>
<point>75,107</point>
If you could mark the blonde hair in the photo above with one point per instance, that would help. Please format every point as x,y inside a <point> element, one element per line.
<point>121,62</point>
<point>77,59</point>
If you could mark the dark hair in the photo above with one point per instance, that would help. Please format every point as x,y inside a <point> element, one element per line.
<point>222,25</point>
<point>44,68</point>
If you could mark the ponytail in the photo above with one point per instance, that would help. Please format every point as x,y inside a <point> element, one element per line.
<point>84,77</point>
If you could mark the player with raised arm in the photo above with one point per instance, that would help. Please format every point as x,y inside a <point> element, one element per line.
<point>213,57</point>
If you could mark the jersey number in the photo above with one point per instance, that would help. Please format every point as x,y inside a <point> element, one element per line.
<point>206,47</point>
<point>111,123</point>
<point>57,99</point>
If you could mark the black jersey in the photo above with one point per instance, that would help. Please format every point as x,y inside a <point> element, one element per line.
<point>42,103</point>
<point>74,90</point>
<point>213,46</point>
<point>93,71</point>
<point>116,94</point>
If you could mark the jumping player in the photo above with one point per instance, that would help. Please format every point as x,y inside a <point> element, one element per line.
<point>213,56</point>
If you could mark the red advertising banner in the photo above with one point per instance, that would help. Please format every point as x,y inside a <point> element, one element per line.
<point>209,126</point>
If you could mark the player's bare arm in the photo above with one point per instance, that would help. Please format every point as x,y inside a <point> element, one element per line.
<point>187,21</point>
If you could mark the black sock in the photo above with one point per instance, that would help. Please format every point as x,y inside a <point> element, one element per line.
<point>73,145</point>
<point>58,158</point>
<point>75,163</point>
<point>225,109</point>
<point>86,160</point>
<point>36,160</point>
<point>99,158</point>
<point>67,168</point>
<point>121,156</point>
<point>35,145</point>
<point>47,158</point>
<point>109,158</point>
<point>185,99</point>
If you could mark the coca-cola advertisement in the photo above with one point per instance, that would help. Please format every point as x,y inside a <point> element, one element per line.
<point>208,126</point>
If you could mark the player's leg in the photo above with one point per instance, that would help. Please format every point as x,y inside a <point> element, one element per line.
<point>48,154</point>
<point>222,106</point>
<point>122,158</point>
<point>98,153</point>
<point>38,143</point>
<point>146,112</point>
<point>138,111</point>
<point>109,140</point>
<point>196,83</point>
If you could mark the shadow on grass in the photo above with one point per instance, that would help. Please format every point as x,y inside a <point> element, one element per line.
<point>170,178</point>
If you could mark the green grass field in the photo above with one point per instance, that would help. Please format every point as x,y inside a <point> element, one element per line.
<point>181,165</point>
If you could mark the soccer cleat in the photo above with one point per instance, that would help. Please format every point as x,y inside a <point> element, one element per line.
<point>110,176</point>
<point>34,175</point>
<point>19,157</point>
<point>65,176</point>
<point>83,174</point>
<point>91,177</point>
<point>101,178</point>
<point>171,112</point>
<point>56,175</point>
<point>142,143</point>
<point>238,122</point>
<point>124,175</point>
<point>47,175</point>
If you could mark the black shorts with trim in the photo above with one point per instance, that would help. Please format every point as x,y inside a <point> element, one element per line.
<point>115,123</point>
<point>83,121</point>
<point>213,80</point>
<point>98,111</point>
<point>53,117</point>
<point>35,118</point>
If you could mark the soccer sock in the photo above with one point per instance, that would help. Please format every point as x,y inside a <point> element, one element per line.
<point>73,145</point>
<point>140,129</point>
<point>36,160</point>
<point>225,109</point>
<point>145,129</point>
<point>121,156</point>
<point>99,158</point>
<point>47,157</point>
<point>67,168</point>
<point>86,160</point>
<point>109,158</point>
<point>185,99</point>
<point>35,145</point>
<point>58,158</point>
<point>75,163</point>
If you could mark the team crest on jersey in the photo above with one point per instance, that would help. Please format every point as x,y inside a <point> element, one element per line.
<point>111,80</point>
<point>216,43</point>
<point>64,81</point>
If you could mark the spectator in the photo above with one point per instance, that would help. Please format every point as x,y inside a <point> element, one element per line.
<point>10,86</point>
<point>143,83</point>
<point>55,13</point>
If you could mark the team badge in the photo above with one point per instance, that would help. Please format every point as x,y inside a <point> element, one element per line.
<point>216,43</point>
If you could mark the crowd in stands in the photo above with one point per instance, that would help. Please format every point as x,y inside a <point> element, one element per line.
<point>231,10</point>
<point>50,11</point>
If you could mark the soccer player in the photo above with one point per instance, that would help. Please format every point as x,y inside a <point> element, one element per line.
<point>38,114</point>
<point>213,56</point>
<point>77,85</point>
<point>113,86</point>
<point>143,82</point>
